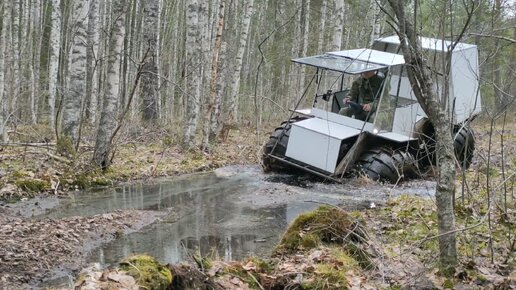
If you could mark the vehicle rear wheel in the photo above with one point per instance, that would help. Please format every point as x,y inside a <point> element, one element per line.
<point>383,164</point>
<point>277,144</point>
<point>464,145</point>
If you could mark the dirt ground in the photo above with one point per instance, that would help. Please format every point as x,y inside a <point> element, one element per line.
<point>30,247</point>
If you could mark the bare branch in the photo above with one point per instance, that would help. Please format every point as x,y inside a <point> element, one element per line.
<point>493,36</point>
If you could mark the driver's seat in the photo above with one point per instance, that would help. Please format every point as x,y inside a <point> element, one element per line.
<point>338,100</point>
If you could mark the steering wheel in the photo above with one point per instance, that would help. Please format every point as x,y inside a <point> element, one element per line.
<point>355,107</point>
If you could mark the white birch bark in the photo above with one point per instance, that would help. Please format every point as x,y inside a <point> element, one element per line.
<point>235,83</point>
<point>15,47</point>
<point>6,19</point>
<point>107,123</point>
<point>150,77</point>
<point>322,25</point>
<point>209,135</point>
<point>77,86</point>
<point>53,63</point>
<point>91,61</point>
<point>338,25</point>
<point>193,72</point>
<point>204,29</point>
<point>376,26</point>
<point>36,36</point>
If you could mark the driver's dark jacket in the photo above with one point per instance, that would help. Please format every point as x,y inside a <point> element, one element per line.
<point>365,91</point>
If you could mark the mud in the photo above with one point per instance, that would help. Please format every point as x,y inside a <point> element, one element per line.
<point>227,214</point>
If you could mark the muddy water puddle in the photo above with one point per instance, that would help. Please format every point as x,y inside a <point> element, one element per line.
<point>228,214</point>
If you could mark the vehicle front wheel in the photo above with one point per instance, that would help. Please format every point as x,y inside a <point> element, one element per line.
<point>383,164</point>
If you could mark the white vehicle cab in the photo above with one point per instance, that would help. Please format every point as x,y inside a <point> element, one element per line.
<point>381,139</point>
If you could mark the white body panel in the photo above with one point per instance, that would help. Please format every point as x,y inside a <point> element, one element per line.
<point>464,90</point>
<point>316,142</point>
<point>404,119</point>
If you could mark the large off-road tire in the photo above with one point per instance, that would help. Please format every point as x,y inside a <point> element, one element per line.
<point>464,145</point>
<point>383,164</point>
<point>278,141</point>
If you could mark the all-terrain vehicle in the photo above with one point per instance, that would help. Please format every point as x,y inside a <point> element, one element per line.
<point>396,138</point>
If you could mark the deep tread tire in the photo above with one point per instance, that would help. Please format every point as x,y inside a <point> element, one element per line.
<point>385,165</point>
<point>464,145</point>
<point>279,136</point>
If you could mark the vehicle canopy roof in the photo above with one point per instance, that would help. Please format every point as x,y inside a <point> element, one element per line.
<point>353,61</point>
<point>427,43</point>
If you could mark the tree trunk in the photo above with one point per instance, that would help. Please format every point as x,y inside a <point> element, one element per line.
<point>107,123</point>
<point>36,35</point>
<point>15,47</point>
<point>150,75</point>
<point>376,23</point>
<point>193,72</point>
<point>209,135</point>
<point>339,25</point>
<point>305,28</point>
<point>322,24</point>
<point>6,15</point>
<point>91,62</point>
<point>422,85</point>
<point>235,83</point>
<point>53,63</point>
<point>77,87</point>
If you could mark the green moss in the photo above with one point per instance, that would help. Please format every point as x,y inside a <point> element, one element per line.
<point>20,174</point>
<point>64,147</point>
<point>327,277</point>
<point>238,271</point>
<point>448,284</point>
<point>101,181</point>
<point>148,273</point>
<point>310,241</point>
<point>326,224</point>
<point>262,266</point>
<point>33,185</point>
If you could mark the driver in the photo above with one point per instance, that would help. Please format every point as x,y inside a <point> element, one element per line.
<point>364,92</point>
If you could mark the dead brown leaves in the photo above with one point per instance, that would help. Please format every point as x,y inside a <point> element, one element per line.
<point>31,248</point>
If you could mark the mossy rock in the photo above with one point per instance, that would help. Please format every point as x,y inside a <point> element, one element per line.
<point>327,225</point>
<point>148,273</point>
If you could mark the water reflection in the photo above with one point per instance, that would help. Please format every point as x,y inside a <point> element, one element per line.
<point>204,215</point>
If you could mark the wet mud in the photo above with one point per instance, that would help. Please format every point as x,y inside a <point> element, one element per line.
<point>227,214</point>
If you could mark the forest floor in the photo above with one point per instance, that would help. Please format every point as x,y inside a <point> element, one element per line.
<point>403,247</point>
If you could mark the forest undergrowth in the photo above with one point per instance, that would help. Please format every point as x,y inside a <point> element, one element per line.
<point>397,245</point>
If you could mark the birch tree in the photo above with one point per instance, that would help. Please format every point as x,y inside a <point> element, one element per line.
<point>338,25</point>
<point>305,28</point>
<point>15,53</point>
<point>214,100</point>
<point>77,87</point>
<point>322,25</point>
<point>193,72</point>
<point>6,15</point>
<point>235,79</point>
<point>376,21</point>
<point>53,63</point>
<point>91,61</point>
<point>422,84</point>
<point>150,76</point>
<point>35,33</point>
<point>107,123</point>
